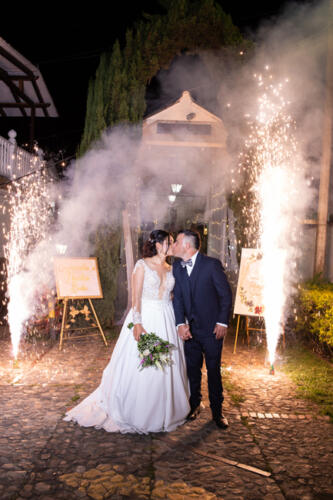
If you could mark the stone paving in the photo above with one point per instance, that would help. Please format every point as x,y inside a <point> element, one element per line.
<point>271,431</point>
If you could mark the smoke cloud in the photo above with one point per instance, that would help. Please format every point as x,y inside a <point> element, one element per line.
<point>99,185</point>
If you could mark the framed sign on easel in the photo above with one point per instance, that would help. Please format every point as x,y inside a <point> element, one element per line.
<point>77,279</point>
<point>249,300</point>
<point>249,295</point>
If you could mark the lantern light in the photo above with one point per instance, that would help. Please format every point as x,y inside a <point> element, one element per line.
<point>61,249</point>
<point>176,188</point>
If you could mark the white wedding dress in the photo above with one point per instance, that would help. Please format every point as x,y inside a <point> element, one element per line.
<point>150,400</point>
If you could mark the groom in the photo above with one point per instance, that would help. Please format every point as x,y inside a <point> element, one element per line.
<point>202,303</point>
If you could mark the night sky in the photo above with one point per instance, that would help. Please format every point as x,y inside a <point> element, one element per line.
<point>66,46</point>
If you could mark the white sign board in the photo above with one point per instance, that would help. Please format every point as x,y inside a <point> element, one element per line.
<point>249,296</point>
<point>77,278</point>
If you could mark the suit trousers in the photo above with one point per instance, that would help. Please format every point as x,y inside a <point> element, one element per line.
<point>196,349</point>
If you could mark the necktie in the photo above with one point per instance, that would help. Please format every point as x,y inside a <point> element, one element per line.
<point>185,263</point>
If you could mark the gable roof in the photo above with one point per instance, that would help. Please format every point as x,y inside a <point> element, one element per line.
<point>184,109</point>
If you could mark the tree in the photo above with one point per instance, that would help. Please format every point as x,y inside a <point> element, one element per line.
<point>88,126</point>
<point>117,93</point>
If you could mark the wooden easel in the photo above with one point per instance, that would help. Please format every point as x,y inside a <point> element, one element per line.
<point>63,323</point>
<point>248,329</point>
<point>77,278</point>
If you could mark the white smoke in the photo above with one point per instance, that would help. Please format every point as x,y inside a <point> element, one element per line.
<point>104,180</point>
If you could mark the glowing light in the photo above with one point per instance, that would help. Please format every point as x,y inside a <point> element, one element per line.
<point>172,198</point>
<point>273,193</point>
<point>61,249</point>
<point>30,217</point>
<point>273,165</point>
<point>176,188</point>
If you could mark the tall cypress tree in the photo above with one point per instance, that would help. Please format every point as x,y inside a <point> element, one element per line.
<point>87,133</point>
<point>118,103</point>
<point>100,97</point>
<point>118,93</point>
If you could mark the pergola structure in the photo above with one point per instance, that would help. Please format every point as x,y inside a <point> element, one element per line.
<point>23,92</point>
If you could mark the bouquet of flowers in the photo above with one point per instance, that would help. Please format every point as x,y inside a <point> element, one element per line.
<point>153,350</point>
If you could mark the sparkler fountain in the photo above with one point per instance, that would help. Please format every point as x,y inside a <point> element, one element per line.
<point>278,181</point>
<point>30,217</point>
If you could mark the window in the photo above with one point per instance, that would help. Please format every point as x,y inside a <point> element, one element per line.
<point>184,128</point>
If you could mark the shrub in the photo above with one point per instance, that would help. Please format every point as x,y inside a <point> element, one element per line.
<point>315,311</point>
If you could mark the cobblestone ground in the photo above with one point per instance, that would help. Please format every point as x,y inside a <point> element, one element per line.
<point>271,431</point>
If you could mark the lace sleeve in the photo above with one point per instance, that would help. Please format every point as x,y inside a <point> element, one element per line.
<point>137,285</point>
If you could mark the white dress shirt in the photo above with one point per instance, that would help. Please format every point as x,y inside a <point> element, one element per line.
<point>189,269</point>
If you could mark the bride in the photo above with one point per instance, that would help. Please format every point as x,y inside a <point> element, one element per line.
<point>150,400</point>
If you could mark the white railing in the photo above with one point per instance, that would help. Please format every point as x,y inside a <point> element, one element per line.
<point>15,161</point>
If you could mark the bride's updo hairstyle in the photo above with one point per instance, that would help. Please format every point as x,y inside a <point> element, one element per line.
<point>157,236</point>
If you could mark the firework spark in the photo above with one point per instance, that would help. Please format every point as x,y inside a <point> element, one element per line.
<point>28,200</point>
<point>276,176</point>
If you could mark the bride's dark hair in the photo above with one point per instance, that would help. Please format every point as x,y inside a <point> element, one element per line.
<point>157,236</point>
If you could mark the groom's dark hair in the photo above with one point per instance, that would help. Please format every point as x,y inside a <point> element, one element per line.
<point>194,237</point>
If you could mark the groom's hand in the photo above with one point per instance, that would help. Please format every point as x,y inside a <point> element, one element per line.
<point>184,332</point>
<point>220,331</point>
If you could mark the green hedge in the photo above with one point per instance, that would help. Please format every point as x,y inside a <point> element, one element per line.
<point>106,242</point>
<point>315,311</point>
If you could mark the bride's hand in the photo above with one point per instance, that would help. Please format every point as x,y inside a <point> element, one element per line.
<point>138,331</point>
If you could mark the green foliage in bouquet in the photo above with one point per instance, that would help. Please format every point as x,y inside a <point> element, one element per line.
<point>315,310</point>
<point>153,350</point>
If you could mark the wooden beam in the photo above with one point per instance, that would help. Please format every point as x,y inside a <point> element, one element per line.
<point>129,260</point>
<point>128,253</point>
<point>326,155</point>
<point>22,79</point>
<point>14,88</point>
<point>24,113</point>
<point>29,74</point>
<point>17,63</point>
<point>32,129</point>
<point>234,463</point>
<point>24,105</point>
<point>40,97</point>
<point>25,78</point>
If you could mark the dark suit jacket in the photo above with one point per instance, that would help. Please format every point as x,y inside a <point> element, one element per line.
<point>205,297</point>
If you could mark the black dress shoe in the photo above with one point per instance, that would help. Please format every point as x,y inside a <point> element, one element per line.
<point>221,422</point>
<point>193,414</point>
